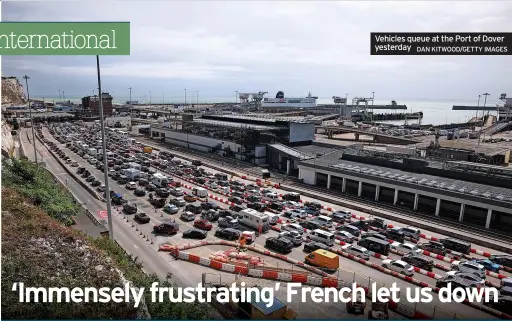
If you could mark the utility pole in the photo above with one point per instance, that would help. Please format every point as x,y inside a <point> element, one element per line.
<point>197,97</point>
<point>131,107</point>
<point>59,96</point>
<point>185,96</point>
<point>150,98</point>
<point>31,120</point>
<point>104,152</point>
<point>63,97</point>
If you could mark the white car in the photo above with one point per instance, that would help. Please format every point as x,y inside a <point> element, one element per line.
<point>357,251</point>
<point>291,204</point>
<point>131,185</point>
<point>467,276</point>
<point>406,248</point>
<point>469,267</point>
<point>296,213</point>
<point>293,228</point>
<point>293,236</point>
<point>399,267</point>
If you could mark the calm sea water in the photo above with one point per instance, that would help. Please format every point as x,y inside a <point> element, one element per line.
<point>434,112</point>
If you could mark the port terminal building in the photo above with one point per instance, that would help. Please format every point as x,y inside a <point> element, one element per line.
<point>247,138</point>
<point>459,191</point>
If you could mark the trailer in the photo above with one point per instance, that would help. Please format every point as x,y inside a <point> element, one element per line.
<point>160,180</point>
<point>255,220</point>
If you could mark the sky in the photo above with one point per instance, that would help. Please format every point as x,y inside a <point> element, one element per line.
<point>216,48</point>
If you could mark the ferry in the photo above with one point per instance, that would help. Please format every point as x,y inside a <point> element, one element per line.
<point>289,102</point>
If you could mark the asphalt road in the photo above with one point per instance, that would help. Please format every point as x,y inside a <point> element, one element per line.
<point>124,233</point>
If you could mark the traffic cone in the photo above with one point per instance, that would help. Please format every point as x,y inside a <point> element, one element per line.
<point>133,225</point>
<point>140,233</point>
<point>136,229</point>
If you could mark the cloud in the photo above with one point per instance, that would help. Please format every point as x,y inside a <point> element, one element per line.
<point>293,44</point>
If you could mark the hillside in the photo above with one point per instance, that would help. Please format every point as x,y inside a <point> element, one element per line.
<point>12,92</point>
<point>39,250</point>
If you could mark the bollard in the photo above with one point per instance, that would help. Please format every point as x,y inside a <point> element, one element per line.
<point>136,229</point>
<point>133,225</point>
<point>153,242</point>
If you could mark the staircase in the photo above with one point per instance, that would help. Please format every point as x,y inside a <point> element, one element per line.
<point>498,127</point>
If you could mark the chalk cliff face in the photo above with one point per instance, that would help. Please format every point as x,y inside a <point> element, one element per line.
<point>7,141</point>
<point>12,92</point>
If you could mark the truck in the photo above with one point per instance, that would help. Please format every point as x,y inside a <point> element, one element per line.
<point>255,220</point>
<point>147,149</point>
<point>160,180</point>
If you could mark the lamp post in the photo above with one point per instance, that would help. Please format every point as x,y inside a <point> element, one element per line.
<point>185,97</point>
<point>104,152</point>
<point>150,98</point>
<point>197,97</point>
<point>31,120</point>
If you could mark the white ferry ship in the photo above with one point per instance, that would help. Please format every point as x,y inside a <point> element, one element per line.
<point>289,102</point>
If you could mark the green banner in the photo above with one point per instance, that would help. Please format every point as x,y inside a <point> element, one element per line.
<point>64,38</point>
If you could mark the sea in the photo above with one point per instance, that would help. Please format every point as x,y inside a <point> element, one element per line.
<point>435,112</point>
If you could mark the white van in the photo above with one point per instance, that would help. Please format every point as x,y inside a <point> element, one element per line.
<point>326,220</point>
<point>200,192</point>
<point>273,218</point>
<point>322,237</point>
<point>271,197</point>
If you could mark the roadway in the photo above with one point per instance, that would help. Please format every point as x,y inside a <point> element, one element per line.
<point>347,266</point>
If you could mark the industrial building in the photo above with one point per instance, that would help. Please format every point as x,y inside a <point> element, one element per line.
<point>91,106</point>
<point>471,193</point>
<point>244,138</point>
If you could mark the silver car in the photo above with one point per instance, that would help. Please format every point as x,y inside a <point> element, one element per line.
<point>293,236</point>
<point>469,267</point>
<point>357,251</point>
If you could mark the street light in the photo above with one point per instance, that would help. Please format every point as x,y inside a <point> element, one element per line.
<point>104,152</point>
<point>185,97</point>
<point>197,97</point>
<point>150,98</point>
<point>31,120</point>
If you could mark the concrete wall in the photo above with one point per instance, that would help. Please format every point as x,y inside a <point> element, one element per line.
<point>308,175</point>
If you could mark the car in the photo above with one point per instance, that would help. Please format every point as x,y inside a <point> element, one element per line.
<point>293,236</point>
<point>433,247</point>
<point>419,261</point>
<point>141,218</point>
<point>349,228</point>
<point>157,202</point>
<point>374,235</point>
<point>405,248</point>
<point>194,234</point>
<point>469,267</point>
<point>313,246</point>
<point>310,225</point>
<point>203,225</point>
<point>488,265</point>
<point>291,204</point>
<point>80,170</point>
<point>213,216</point>
<point>504,304</point>
<point>398,266</point>
<point>312,210</point>
<point>395,234</point>
<point>378,223</point>
<point>143,182</point>
<point>95,183</point>
<point>295,213</point>
<point>468,276</point>
<point>90,178</point>
<point>253,199</point>
<point>279,244</point>
<point>411,232</point>
<point>209,205</point>
<point>226,212</point>
<point>237,207</point>
<point>151,187</point>
<point>357,251</point>
<point>361,225</point>
<point>130,208</point>
<point>139,192</point>
<point>341,216</point>
<point>456,282</point>
<point>187,216</point>
<point>293,227</point>
<point>176,191</point>
<point>179,201</point>
<point>166,227</point>
<point>190,198</point>
<point>502,259</point>
<point>228,233</point>
<point>170,208</point>
<point>228,222</point>
<point>345,236</point>
<point>162,192</point>
<point>257,206</point>
<point>236,200</point>
<point>101,188</point>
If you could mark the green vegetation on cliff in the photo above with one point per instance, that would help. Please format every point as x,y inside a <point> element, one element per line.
<point>40,251</point>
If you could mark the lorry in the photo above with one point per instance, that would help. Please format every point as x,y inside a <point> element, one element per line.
<point>254,219</point>
<point>200,192</point>
<point>323,259</point>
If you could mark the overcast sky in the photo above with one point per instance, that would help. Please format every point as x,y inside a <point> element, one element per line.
<point>218,47</point>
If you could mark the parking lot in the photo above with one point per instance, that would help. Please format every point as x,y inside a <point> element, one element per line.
<point>147,197</point>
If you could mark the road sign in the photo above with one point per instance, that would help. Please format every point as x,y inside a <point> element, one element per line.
<point>102,214</point>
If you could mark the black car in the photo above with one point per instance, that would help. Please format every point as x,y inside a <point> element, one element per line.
<point>456,245</point>
<point>316,205</point>
<point>260,207</point>
<point>375,235</point>
<point>195,234</point>
<point>378,223</point>
<point>162,192</point>
<point>502,259</point>
<point>349,228</point>
<point>130,208</point>
<point>253,198</point>
<point>411,232</point>
<point>228,233</point>
<point>139,192</point>
<point>209,205</point>
<point>143,182</point>
<point>434,247</point>
<point>341,216</point>
<point>166,228</point>
<point>456,282</point>
<point>224,213</point>
<point>80,170</point>
<point>95,183</point>
<point>504,304</point>
<point>235,200</point>
<point>151,187</point>
<point>90,179</point>
<point>417,260</point>
<point>194,208</point>
<point>276,206</point>
<point>237,194</point>
<point>279,244</point>
<point>141,218</point>
<point>361,225</point>
<point>237,207</point>
<point>395,234</point>
<point>313,246</point>
<point>311,225</point>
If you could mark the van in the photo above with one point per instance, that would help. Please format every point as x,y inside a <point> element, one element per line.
<point>456,245</point>
<point>375,245</point>
<point>200,192</point>
<point>323,259</point>
<point>271,197</point>
<point>273,218</point>
<point>322,236</point>
<point>324,220</point>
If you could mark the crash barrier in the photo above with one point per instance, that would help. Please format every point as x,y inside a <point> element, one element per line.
<point>413,311</point>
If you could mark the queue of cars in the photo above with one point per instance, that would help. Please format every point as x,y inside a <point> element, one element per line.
<point>360,236</point>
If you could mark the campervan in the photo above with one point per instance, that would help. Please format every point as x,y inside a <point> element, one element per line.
<point>254,219</point>
<point>160,180</point>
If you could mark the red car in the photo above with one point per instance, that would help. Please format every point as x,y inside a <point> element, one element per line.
<point>203,225</point>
